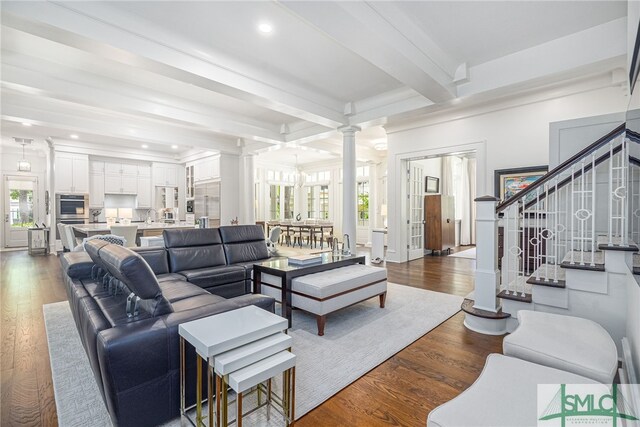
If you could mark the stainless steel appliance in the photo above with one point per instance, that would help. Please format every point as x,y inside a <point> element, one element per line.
<point>207,202</point>
<point>71,209</point>
<point>190,206</point>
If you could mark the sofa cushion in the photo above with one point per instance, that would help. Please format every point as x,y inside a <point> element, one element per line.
<point>77,265</point>
<point>505,394</point>
<point>156,258</point>
<point>195,257</point>
<point>92,247</point>
<point>569,343</point>
<point>170,277</point>
<point>246,252</point>
<point>191,237</point>
<point>177,290</point>
<point>241,233</point>
<point>208,277</point>
<point>244,243</point>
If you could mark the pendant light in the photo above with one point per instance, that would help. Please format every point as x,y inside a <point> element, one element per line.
<point>23,164</point>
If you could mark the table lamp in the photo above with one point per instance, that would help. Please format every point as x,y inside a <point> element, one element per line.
<point>111,214</point>
<point>125,215</point>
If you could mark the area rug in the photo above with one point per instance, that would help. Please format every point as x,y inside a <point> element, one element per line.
<point>468,253</point>
<point>356,340</point>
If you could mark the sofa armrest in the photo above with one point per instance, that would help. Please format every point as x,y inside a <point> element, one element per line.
<point>76,265</point>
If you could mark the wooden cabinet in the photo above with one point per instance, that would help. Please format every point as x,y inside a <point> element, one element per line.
<point>440,223</point>
<point>72,173</point>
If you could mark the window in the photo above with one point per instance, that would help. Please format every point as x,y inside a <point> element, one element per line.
<point>274,202</point>
<point>363,203</point>
<point>311,202</point>
<point>362,171</point>
<point>324,202</point>
<point>288,202</point>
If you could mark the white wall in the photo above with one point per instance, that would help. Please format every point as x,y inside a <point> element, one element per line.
<point>510,135</point>
<point>8,166</point>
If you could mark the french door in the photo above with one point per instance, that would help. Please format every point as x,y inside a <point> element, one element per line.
<point>415,215</point>
<point>20,204</point>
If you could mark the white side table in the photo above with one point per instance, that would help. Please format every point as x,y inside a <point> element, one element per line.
<point>377,243</point>
<point>211,336</point>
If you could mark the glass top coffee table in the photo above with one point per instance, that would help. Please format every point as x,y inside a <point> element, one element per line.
<point>286,272</point>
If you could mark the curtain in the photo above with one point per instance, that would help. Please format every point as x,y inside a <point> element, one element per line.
<point>446,182</point>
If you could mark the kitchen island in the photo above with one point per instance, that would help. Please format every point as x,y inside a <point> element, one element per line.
<point>144,229</point>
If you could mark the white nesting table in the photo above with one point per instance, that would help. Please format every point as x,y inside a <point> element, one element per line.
<point>230,342</point>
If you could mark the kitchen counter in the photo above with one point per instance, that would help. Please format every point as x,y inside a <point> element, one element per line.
<point>144,229</point>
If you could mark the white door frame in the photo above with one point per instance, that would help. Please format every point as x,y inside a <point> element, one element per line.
<point>397,200</point>
<point>413,204</point>
<point>7,208</point>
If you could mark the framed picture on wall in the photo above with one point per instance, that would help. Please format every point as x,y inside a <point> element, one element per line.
<point>431,184</point>
<point>509,182</point>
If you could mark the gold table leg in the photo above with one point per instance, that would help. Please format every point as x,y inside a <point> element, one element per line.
<point>239,410</point>
<point>198,390</point>
<point>210,392</point>
<point>182,375</point>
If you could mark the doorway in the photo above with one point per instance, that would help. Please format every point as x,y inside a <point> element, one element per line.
<point>440,208</point>
<point>21,195</point>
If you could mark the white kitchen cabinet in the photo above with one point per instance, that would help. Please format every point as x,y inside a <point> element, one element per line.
<point>165,175</point>
<point>207,169</point>
<point>129,169</point>
<point>144,192</point>
<point>71,173</point>
<point>112,168</point>
<point>96,166</point>
<point>112,183</point>
<point>96,190</point>
<point>129,184</point>
<point>144,171</point>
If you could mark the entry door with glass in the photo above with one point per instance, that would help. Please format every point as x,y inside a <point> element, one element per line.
<point>415,222</point>
<point>20,209</point>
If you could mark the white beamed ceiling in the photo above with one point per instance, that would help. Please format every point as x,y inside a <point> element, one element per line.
<point>199,75</point>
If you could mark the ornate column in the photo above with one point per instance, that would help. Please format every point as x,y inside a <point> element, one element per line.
<point>349,202</point>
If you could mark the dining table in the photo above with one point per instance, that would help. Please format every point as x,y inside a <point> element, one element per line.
<point>298,230</point>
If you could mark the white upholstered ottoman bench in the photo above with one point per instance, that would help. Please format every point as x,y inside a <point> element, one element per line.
<point>572,344</point>
<point>328,291</point>
<point>504,395</point>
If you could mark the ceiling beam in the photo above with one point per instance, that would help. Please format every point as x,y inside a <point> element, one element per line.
<point>96,28</point>
<point>362,29</point>
<point>69,85</point>
<point>18,107</point>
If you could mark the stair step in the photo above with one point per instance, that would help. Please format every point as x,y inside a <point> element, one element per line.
<point>615,247</point>
<point>598,261</point>
<point>467,307</point>
<point>578,266</point>
<point>517,297</point>
<point>550,283</point>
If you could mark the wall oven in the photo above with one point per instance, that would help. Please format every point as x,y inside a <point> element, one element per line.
<point>71,209</point>
<point>72,206</point>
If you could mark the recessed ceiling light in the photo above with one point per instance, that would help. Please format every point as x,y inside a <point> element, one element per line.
<point>73,136</point>
<point>174,146</point>
<point>145,146</point>
<point>265,28</point>
<point>26,124</point>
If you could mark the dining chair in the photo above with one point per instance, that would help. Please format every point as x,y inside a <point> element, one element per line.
<point>128,232</point>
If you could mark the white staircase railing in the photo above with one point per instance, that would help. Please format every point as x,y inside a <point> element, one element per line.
<point>566,215</point>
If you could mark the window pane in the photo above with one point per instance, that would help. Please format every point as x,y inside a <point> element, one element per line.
<point>20,205</point>
<point>363,203</point>
<point>288,202</point>
<point>274,202</point>
<point>311,202</point>
<point>324,202</point>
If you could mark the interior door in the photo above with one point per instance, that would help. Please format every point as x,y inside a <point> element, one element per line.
<point>20,209</point>
<point>415,222</point>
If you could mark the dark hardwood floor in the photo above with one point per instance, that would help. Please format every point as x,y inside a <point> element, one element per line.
<point>399,392</point>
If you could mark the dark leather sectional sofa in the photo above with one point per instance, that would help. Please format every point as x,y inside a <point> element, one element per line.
<point>127,306</point>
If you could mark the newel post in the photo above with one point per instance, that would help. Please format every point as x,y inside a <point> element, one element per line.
<point>487,275</point>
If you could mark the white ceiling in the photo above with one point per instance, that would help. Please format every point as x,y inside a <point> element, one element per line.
<point>200,75</point>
